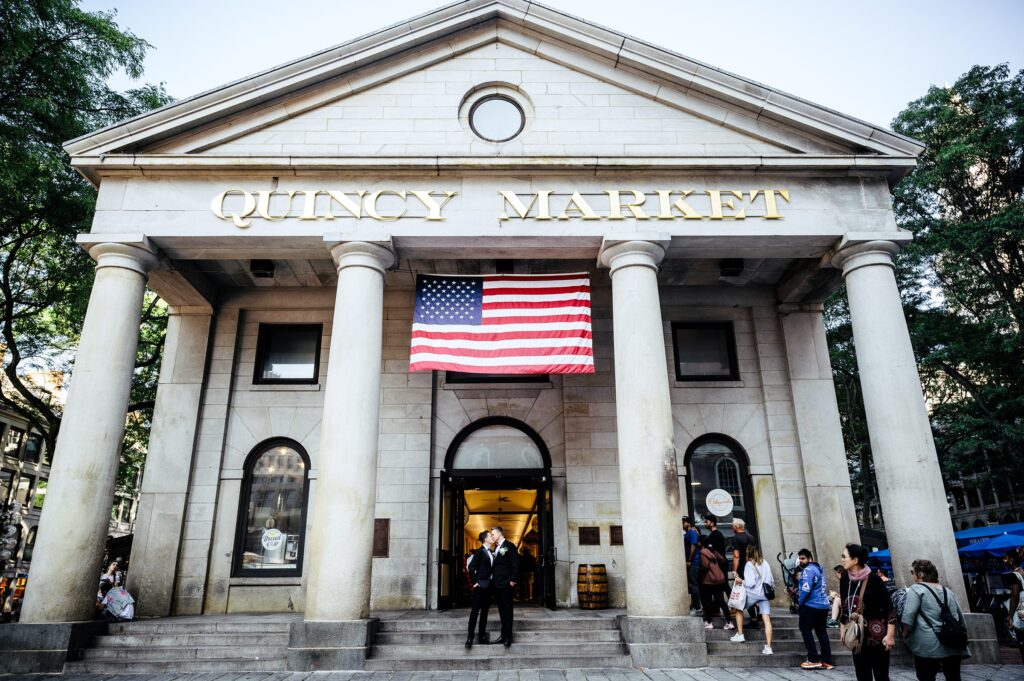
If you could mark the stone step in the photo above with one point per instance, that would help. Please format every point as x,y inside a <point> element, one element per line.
<point>136,640</point>
<point>168,626</point>
<point>179,666</point>
<point>242,653</point>
<point>460,624</point>
<point>518,649</point>
<point>751,645</point>
<point>498,662</point>
<point>756,659</point>
<point>778,633</point>
<point>459,637</point>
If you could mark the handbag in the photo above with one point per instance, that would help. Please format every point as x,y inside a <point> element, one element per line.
<point>854,631</point>
<point>738,597</point>
<point>767,588</point>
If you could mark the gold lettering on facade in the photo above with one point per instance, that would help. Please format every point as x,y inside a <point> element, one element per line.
<point>770,206</point>
<point>541,198</point>
<point>615,204</point>
<point>371,205</point>
<point>578,204</point>
<point>355,208</point>
<point>263,204</point>
<point>433,207</point>
<point>680,204</point>
<point>239,218</point>
<point>717,204</point>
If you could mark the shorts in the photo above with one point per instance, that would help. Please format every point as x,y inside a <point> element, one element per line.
<point>764,607</point>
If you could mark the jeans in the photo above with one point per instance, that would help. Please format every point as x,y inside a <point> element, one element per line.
<point>813,621</point>
<point>692,579</point>
<point>712,597</point>
<point>872,660</point>
<point>928,667</point>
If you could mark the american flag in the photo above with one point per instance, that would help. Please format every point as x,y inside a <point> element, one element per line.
<point>503,324</point>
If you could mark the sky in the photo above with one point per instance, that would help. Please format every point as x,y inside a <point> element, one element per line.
<point>867,59</point>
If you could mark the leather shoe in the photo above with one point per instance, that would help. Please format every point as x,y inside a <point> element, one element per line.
<point>469,642</point>
<point>484,640</point>
<point>507,642</point>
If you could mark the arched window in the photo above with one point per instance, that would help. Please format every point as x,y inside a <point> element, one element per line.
<point>965,525</point>
<point>272,513</point>
<point>717,462</point>
<point>497,443</point>
<point>979,523</point>
<point>1008,518</point>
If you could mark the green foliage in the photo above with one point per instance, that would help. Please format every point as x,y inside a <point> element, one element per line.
<point>962,279</point>
<point>54,64</point>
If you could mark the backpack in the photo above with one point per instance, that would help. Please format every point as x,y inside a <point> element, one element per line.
<point>951,632</point>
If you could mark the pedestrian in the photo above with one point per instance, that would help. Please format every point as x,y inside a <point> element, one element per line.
<point>813,609</point>
<point>116,605</point>
<point>504,577</point>
<point>741,539</point>
<point>479,566</point>
<point>691,547</point>
<point>716,540</point>
<point>1015,604</point>
<point>833,598</point>
<point>862,591</point>
<point>757,575</point>
<point>926,605</point>
<point>712,583</point>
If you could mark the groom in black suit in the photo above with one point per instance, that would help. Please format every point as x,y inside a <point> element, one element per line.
<point>504,578</point>
<point>480,568</point>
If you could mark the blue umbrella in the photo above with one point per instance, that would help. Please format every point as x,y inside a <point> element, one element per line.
<point>996,546</point>
<point>966,536</point>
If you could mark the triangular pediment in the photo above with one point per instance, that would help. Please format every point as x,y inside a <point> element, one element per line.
<point>398,92</point>
<point>569,112</point>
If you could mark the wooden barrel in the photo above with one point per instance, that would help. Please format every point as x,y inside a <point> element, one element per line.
<point>592,586</point>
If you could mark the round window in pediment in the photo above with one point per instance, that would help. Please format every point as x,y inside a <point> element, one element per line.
<point>496,118</point>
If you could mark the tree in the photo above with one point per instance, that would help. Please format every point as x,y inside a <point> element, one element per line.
<point>962,278</point>
<point>53,67</point>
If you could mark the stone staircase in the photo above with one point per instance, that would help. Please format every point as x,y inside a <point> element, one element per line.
<point>438,643</point>
<point>188,644</point>
<point>788,646</point>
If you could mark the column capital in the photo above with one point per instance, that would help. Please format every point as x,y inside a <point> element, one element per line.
<point>643,252</point>
<point>376,255</point>
<point>128,251</point>
<point>854,256</point>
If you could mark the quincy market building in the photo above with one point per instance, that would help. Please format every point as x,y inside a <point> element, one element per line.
<point>297,465</point>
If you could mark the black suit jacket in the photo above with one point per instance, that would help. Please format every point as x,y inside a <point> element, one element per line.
<point>480,568</point>
<point>506,565</point>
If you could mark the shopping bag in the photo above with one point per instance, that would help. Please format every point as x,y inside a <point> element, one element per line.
<point>738,597</point>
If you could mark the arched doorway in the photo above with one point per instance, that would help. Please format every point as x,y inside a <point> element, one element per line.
<point>717,462</point>
<point>497,471</point>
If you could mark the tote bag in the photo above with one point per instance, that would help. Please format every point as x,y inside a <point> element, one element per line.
<point>854,632</point>
<point>738,597</point>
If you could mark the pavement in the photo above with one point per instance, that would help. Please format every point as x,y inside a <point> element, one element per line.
<point>972,672</point>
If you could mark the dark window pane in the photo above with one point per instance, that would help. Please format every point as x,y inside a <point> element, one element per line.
<point>705,351</point>
<point>13,441</point>
<point>381,537</point>
<point>24,487</point>
<point>32,448</point>
<point>590,536</point>
<point>273,531</point>
<point>288,353</point>
<point>464,377</point>
<point>30,544</point>
<point>987,494</point>
<point>616,535</point>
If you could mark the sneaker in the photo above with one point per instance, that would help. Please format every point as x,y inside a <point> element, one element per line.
<point>696,612</point>
<point>831,623</point>
<point>827,665</point>
<point>738,638</point>
<point>729,626</point>
<point>807,664</point>
<point>709,625</point>
<point>767,651</point>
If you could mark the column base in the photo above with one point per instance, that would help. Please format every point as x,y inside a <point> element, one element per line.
<point>665,642</point>
<point>341,645</point>
<point>44,648</point>
<point>981,629</point>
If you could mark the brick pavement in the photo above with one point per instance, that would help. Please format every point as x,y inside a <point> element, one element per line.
<point>970,673</point>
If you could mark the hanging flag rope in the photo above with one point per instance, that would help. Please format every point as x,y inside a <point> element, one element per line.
<point>503,324</point>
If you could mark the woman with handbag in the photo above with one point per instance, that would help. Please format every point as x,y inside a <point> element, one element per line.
<point>867,620</point>
<point>759,585</point>
<point>712,584</point>
<point>933,625</point>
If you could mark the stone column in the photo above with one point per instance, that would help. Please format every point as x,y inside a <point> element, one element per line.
<point>910,488</point>
<point>73,527</point>
<point>340,543</point>
<point>169,460</point>
<point>657,633</point>
<point>822,450</point>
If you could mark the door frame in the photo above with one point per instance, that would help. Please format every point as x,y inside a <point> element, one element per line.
<point>452,488</point>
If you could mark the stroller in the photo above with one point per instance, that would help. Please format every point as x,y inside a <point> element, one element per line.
<point>789,576</point>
